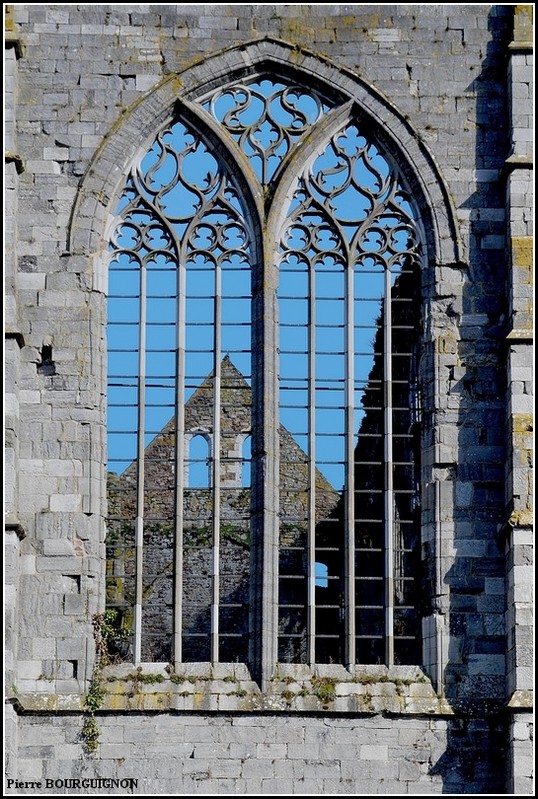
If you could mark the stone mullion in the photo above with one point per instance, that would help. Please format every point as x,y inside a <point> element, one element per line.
<point>179,457</point>
<point>350,592</point>
<point>388,488</point>
<point>265,477</point>
<point>311,535</point>
<point>216,465</point>
<point>139,523</point>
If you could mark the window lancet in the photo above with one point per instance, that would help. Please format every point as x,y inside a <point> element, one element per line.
<point>182,322</point>
<point>348,323</point>
<point>182,247</point>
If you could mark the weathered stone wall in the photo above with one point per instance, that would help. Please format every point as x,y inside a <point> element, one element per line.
<point>457,79</point>
<point>519,537</point>
<point>269,754</point>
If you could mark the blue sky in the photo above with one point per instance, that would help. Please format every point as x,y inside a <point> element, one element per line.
<point>178,175</point>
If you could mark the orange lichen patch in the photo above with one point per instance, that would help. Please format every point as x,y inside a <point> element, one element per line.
<point>522,253</point>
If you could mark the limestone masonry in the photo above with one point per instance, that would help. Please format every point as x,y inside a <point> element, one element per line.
<point>448,91</point>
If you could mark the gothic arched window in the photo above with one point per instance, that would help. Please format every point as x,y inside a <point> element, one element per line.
<point>290,323</point>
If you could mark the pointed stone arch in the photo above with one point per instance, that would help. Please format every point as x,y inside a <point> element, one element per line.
<point>180,94</point>
<point>137,125</point>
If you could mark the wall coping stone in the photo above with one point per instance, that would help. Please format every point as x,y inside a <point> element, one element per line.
<point>294,689</point>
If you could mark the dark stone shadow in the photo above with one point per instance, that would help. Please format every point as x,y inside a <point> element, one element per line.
<point>474,676</point>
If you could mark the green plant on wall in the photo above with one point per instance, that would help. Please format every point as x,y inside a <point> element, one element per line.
<point>324,688</point>
<point>90,734</point>
<point>106,631</point>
